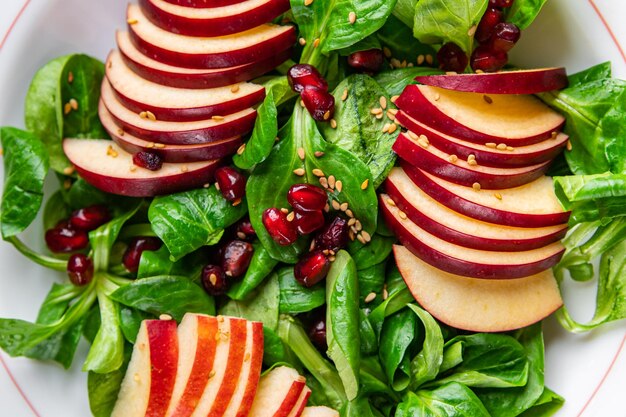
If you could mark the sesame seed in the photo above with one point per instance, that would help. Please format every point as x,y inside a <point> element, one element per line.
<point>396,63</point>
<point>327,208</point>
<point>472,162</point>
<point>112,152</point>
<point>291,216</point>
<point>451,72</point>
<point>184,168</point>
<point>333,123</point>
<point>394,98</point>
<point>318,154</point>
<point>339,186</point>
<point>68,170</point>
<point>312,246</point>
<point>472,31</point>
<point>387,52</point>
<point>308,2</point>
<point>324,182</point>
<point>151,116</point>
<point>424,138</point>
<point>132,21</point>
<point>364,184</point>
<point>379,116</point>
<point>402,215</point>
<point>211,374</point>
<point>383,102</point>
<point>217,186</point>
<point>488,99</point>
<point>332,258</point>
<point>366,236</point>
<point>301,153</point>
<point>501,147</point>
<point>422,143</point>
<point>413,135</point>
<point>132,168</point>
<point>302,41</point>
<point>165,317</point>
<point>207,185</point>
<point>554,135</point>
<point>159,145</point>
<point>327,115</point>
<point>479,71</point>
<point>316,42</point>
<point>143,115</point>
<point>120,131</point>
<point>299,172</point>
<point>476,186</point>
<point>491,145</point>
<point>70,77</point>
<point>247,357</point>
<point>386,127</point>
<point>569,145</point>
<point>351,235</point>
<point>217,118</point>
<point>284,210</point>
<point>318,172</point>
<point>344,207</point>
<point>336,205</point>
<point>358,226</point>
<point>376,111</point>
<point>420,59</point>
<point>301,103</point>
<point>404,64</point>
<point>360,239</point>
<point>351,221</point>
<point>150,145</point>
<point>510,148</point>
<point>391,115</point>
<point>67,108</point>
<point>453,158</point>
<point>241,149</point>
<point>234,88</point>
<point>344,96</point>
<point>349,213</point>
<point>429,59</point>
<point>370,297</point>
<point>352,18</point>
<point>331,181</point>
<point>393,128</point>
<point>391,202</point>
<point>498,196</point>
<point>385,293</point>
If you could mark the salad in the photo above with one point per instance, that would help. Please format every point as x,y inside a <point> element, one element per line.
<point>151,255</point>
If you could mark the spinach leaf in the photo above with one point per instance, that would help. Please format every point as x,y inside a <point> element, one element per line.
<point>104,388</point>
<point>82,194</point>
<point>522,13</point>
<point>425,365</point>
<point>262,306</point>
<point>295,298</point>
<point>372,280</point>
<point>261,266</point>
<point>25,169</point>
<point>55,210</point>
<point>275,351</point>
<point>279,87</point>
<point>547,405</point>
<point>189,220</point>
<point>367,335</point>
<point>159,262</point>
<point>405,11</point>
<point>130,322</point>
<point>595,73</point>
<point>373,253</point>
<point>450,400</point>
<point>398,38</point>
<point>371,42</point>
<point>395,81</point>
<point>399,339</point>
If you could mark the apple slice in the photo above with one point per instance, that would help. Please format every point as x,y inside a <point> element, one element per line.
<point>456,228</point>
<point>530,81</point>
<point>103,164</point>
<point>169,153</point>
<point>216,21</point>
<point>301,403</point>
<point>278,393</point>
<point>219,52</point>
<point>177,104</point>
<point>178,77</point>
<point>319,411</point>
<point>488,154</point>
<point>515,120</point>
<point>176,133</point>
<point>479,305</point>
<point>465,261</point>
<point>204,4</point>
<point>530,205</point>
<point>421,154</point>
<point>149,381</point>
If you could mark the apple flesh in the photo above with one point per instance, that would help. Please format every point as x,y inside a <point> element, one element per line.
<point>531,81</point>
<point>217,21</point>
<point>204,4</point>
<point>479,305</point>
<point>177,104</point>
<point>515,120</point>
<point>319,411</point>
<point>301,403</point>
<point>278,393</point>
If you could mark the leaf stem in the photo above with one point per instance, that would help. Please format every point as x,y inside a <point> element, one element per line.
<point>43,260</point>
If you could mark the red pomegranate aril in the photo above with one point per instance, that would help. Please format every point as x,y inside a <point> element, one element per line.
<point>236,257</point>
<point>280,229</point>
<point>136,247</point>
<point>312,268</point>
<point>231,182</point>
<point>487,60</point>
<point>333,236</point>
<point>148,160</point>
<point>319,103</point>
<point>317,334</point>
<point>244,230</point>
<point>488,22</point>
<point>370,61</point>
<point>90,218</point>
<point>307,222</point>
<point>305,75</point>
<point>452,58</point>
<point>501,3</point>
<point>504,37</point>
<point>63,238</point>
<point>307,197</point>
<point>214,280</point>
<point>79,269</point>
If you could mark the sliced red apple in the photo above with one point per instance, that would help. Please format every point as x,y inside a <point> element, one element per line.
<point>176,133</point>
<point>103,164</point>
<point>319,411</point>
<point>530,205</point>
<point>420,153</point>
<point>216,21</point>
<point>278,393</point>
<point>301,403</point>
<point>465,261</point>
<point>488,154</point>
<point>479,305</point>
<point>204,4</point>
<point>461,230</point>
<point>149,381</point>
<point>530,81</point>
<point>218,52</point>
<point>516,120</point>
<point>179,77</point>
<point>177,104</point>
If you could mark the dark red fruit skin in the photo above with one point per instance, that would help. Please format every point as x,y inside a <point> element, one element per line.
<point>90,218</point>
<point>317,334</point>
<point>79,269</point>
<point>148,160</point>
<point>501,3</point>
<point>319,103</point>
<point>220,284</point>
<point>312,268</point>
<point>305,75</point>
<point>136,247</point>
<point>63,238</point>
<point>490,19</point>
<point>370,61</point>
<point>244,230</point>
<point>452,58</point>
<point>307,197</point>
<point>280,229</point>
<point>487,60</point>
<point>307,222</point>
<point>333,236</point>
<point>236,257</point>
<point>504,37</point>
<point>232,183</point>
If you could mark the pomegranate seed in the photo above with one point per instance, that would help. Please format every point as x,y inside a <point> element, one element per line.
<point>90,218</point>
<point>488,60</point>
<point>232,183</point>
<point>452,58</point>
<point>63,238</point>
<point>236,257</point>
<point>307,197</point>
<point>148,160</point>
<point>504,37</point>
<point>312,268</point>
<point>214,280</point>
<point>308,221</point>
<point>317,334</point>
<point>244,230</point>
<point>319,103</point>
<point>333,236</point>
<point>280,229</point>
<point>370,61</point>
<point>305,75</point>
<point>488,22</point>
<point>501,3</point>
<point>79,269</point>
<point>136,247</point>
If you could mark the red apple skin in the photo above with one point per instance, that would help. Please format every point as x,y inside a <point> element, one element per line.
<point>217,26</point>
<point>422,158</point>
<point>463,239</point>
<point>301,404</point>
<point>504,82</point>
<point>164,364</point>
<point>204,4</point>
<point>486,156</point>
<point>417,106</point>
<point>478,211</point>
<point>256,363</point>
<point>459,266</point>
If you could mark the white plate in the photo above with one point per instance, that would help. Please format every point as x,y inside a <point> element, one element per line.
<point>588,370</point>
